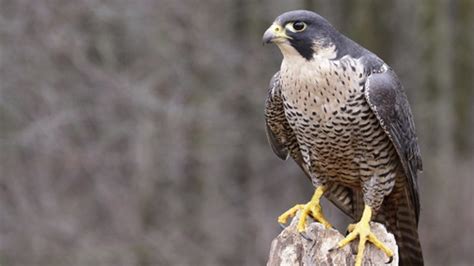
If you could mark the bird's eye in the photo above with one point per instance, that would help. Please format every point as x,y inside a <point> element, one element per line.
<point>296,26</point>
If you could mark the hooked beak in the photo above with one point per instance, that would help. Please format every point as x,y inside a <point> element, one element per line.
<point>275,34</point>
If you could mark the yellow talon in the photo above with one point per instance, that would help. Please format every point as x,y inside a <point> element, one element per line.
<point>290,213</point>
<point>350,227</point>
<point>312,208</point>
<point>362,229</point>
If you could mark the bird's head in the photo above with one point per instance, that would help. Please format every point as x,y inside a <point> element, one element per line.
<point>302,33</point>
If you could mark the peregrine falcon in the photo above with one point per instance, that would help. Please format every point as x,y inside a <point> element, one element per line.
<point>341,113</point>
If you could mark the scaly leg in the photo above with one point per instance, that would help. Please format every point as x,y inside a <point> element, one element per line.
<point>362,229</point>
<point>312,208</point>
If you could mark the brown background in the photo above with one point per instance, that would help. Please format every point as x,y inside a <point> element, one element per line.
<point>131,132</point>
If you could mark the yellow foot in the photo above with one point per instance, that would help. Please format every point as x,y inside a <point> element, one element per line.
<point>362,229</point>
<point>312,208</point>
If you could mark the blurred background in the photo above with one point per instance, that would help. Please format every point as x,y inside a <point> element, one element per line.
<point>132,132</point>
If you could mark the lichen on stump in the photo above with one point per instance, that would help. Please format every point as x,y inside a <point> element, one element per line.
<point>290,248</point>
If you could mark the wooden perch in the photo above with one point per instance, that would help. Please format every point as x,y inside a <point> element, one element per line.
<point>290,248</point>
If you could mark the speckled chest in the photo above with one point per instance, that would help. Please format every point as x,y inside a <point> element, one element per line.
<point>325,106</point>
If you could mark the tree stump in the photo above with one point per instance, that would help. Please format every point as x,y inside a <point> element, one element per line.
<point>290,248</point>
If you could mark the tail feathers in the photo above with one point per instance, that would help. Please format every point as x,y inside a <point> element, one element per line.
<point>400,218</point>
<point>407,236</point>
<point>397,213</point>
<point>349,200</point>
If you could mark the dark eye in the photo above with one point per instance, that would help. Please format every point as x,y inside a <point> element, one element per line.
<point>296,26</point>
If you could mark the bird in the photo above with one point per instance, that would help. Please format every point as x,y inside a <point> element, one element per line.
<point>341,113</point>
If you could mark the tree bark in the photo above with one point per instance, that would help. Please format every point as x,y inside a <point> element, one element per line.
<point>290,248</point>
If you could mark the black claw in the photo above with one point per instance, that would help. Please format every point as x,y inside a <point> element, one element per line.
<point>331,249</point>
<point>390,259</point>
<point>282,226</point>
<point>303,235</point>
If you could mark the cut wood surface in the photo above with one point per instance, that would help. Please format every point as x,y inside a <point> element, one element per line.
<point>291,248</point>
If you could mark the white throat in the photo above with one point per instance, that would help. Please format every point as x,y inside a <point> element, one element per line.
<point>321,52</point>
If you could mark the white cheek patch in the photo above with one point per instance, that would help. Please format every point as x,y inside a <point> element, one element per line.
<point>320,51</point>
<point>324,52</point>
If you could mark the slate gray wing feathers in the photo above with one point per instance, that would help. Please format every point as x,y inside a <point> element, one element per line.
<point>275,120</point>
<point>388,101</point>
